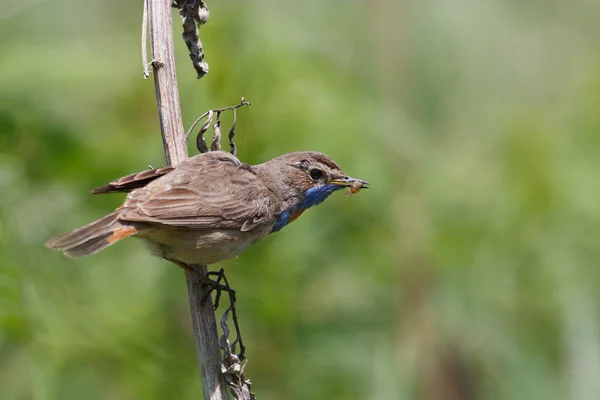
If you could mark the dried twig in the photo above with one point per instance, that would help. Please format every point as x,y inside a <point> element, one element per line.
<point>193,12</point>
<point>231,367</point>
<point>216,373</point>
<point>169,110</point>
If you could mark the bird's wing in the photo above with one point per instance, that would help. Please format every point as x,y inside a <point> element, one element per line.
<point>204,192</point>
<point>133,181</point>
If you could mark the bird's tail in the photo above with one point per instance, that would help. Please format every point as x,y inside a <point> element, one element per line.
<point>93,237</point>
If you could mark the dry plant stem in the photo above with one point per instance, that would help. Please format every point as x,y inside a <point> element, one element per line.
<point>145,40</point>
<point>169,111</point>
<point>233,369</point>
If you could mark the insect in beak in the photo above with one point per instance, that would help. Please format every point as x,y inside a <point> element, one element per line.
<point>354,185</point>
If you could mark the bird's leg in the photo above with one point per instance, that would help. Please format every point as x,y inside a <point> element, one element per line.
<point>212,285</point>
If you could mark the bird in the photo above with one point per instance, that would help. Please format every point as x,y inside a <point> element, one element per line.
<point>211,207</point>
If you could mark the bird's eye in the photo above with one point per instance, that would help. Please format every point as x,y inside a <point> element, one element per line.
<point>315,174</point>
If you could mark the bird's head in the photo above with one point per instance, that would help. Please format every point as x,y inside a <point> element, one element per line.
<point>307,178</point>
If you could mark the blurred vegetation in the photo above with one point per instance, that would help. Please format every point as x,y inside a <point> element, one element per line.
<point>468,270</point>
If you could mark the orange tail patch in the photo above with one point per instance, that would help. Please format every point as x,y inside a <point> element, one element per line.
<point>121,233</point>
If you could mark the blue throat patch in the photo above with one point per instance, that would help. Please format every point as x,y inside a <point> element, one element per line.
<point>312,197</point>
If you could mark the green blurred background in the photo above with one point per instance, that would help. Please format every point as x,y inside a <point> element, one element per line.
<point>468,271</point>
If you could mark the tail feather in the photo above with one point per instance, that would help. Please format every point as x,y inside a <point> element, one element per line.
<point>93,237</point>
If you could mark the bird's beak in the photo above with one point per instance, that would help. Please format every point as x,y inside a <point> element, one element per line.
<point>347,181</point>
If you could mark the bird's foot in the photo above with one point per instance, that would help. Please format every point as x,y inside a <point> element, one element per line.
<point>218,287</point>
<point>209,283</point>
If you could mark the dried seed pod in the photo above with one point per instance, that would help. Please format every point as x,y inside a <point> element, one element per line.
<point>232,133</point>
<point>216,140</point>
<point>193,13</point>
<point>200,142</point>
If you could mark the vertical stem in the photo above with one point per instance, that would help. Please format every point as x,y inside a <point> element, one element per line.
<point>165,81</point>
<point>171,126</point>
<point>207,340</point>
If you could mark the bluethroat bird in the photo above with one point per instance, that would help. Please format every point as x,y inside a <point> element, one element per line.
<point>210,207</point>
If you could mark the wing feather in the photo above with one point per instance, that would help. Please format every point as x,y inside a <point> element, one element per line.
<point>205,192</point>
<point>133,181</point>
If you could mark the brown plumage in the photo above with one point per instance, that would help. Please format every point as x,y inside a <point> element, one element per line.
<point>133,181</point>
<point>210,207</point>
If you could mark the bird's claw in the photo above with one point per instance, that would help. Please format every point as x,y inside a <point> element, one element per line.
<point>218,287</point>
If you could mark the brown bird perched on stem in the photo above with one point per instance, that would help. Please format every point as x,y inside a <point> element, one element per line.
<point>211,207</point>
